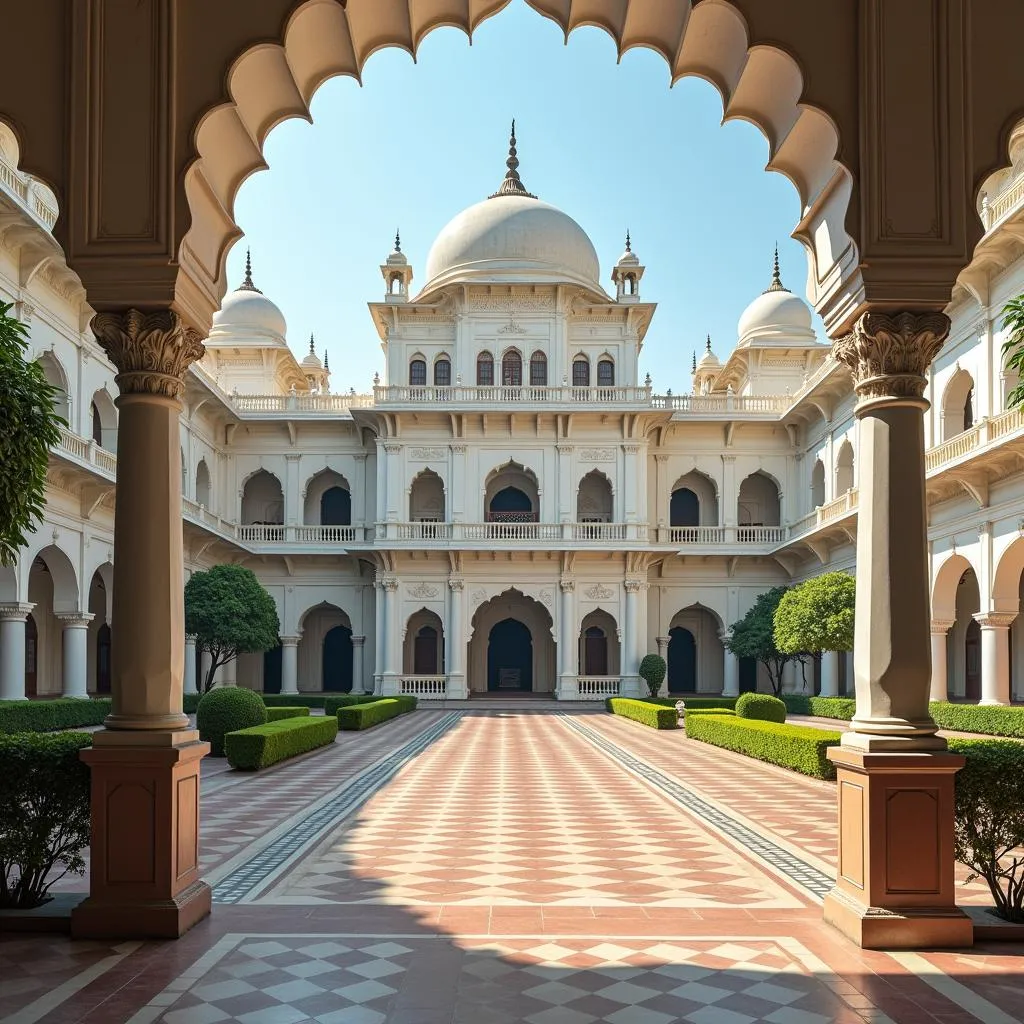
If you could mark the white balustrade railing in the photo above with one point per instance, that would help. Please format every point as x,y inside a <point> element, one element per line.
<point>508,394</point>
<point>508,531</point>
<point>84,449</point>
<point>598,687</point>
<point>323,534</point>
<point>260,532</point>
<point>300,403</point>
<point>1008,422</point>
<point>994,210</point>
<point>697,534</point>
<point>24,189</point>
<point>838,507</point>
<point>425,687</point>
<point>717,404</point>
<point>424,531</point>
<point>955,448</point>
<point>760,534</point>
<point>598,531</point>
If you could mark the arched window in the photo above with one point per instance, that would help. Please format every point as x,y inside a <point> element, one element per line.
<point>97,425</point>
<point>969,409</point>
<point>203,484</point>
<point>684,508</point>
<point>443,372</point>
<point>605,373</point>
<point>418,372</point>
<point>512,369</point>
<point>336,507</point>
<point>595,652</point>
<point>485,370</point>
<point>581,372</point>
<point>844,468</point>
<point>818,484</point>
<point>957,414</point>
<point>538,370</point>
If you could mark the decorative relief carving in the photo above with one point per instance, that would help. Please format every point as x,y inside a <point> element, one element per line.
<point>568,586</point>
<point>423,590</point>
<point>421,454</point>
<point>510,304</point>
<point>512,327</point>
<point>597,454</point>
<point>632,449</point>
<point>151,351</point>
<point>598,592</point>
<point>545,598</point>
<point>457,586</point>
<point>458,449</point>
<point>889,355</point>
<point>636,586</point>
<point>479,596</point>
<point>389,583</point>
<point>392,448</point>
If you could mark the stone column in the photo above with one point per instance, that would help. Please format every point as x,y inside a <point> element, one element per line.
<point>567,643</point>
<point>995,657</point>
<point>895,778</point>
<point>75,654</point>
<point>204,667</point>
<point>456,639</point>
<point>390,682</point>
<point>12,650</point>
<point>730,672</point>
<point>293,494</point>
<point>189,685</point>
<point>290,664</point>
<point>566,513</point>
<point>144,866</point>
<point>457,495</point>
<point>829,673</point>
<point>939,687</point>
<point>663,642</point>
<point>395,491</point>
<point>633,645</point>
<point>358,643</point>
<point>379,632</point>
<point>631,475</point>
<point>660,516</point>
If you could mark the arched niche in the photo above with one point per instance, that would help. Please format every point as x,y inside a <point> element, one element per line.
<point>758,503</point>
<point>695,653</point>
<point>598,651</point>
<point>818,484</point>
<point>511,494</point>
<point>426,498</point>
<point>203,484</point>
<point>103,415</point>
<point>328,500</point>
<point>423,650</point>
<point>325,649</point>
<point>500,628</point>
<point>595,502</point>
<point>694,501</point>
<point>262,499</point>
<point>844,468</point>
<point>957,413</point>
<point>55,375</point>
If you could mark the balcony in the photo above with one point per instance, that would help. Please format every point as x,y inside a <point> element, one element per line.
<point>559,534</point>
<point>28,194</point>
<point>724,406</point>
<point>830,514</point>
<point>297,406</point>
<point>526,396</point>
<point>985,436</point>
<point>85,453</point>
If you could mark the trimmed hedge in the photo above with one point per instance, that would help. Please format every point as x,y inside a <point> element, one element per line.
<point>227,709</point>
<point>277,714</point>
<point>294,700</point>
<point>190,702</point>
<point>263,745</point>
<point>345,700</point>
<point>761,707</point>
<point>841,708</point>
<point>990,721</point>
<point>365,715</point>
<point>709,711</point>
<point>670,702</point>
<point>800,748</point>
<point>50,715</point>
<point>657,716</point>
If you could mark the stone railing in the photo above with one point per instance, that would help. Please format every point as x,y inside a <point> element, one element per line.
<point>424,531</point>
<point>599,531</point>
<point>721,404</point>
<point>598,687</point>
<point>696,534</point>
<point>726,534</point>
<point>1005,202</point>
<point>25,190</point>
<point>832,510</point>
<point>508,394</point>
<point>86,450</point>
<point>955,448</point>
<point>1008,422</point>
<point>584,533</point>
<point>425,687</point>
<point>271,405</point>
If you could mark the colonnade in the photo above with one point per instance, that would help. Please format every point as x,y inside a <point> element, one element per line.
<point>74,647</point>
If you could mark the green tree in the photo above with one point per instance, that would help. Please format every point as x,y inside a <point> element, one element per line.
<point>28,429</point>
<point>652,671</point>
<point>753,636</point>
<point>1013,347</point>
<point>817,615</point>
<point>230,613</point>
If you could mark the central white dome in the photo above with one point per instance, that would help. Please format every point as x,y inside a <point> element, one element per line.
<point>512,238</point>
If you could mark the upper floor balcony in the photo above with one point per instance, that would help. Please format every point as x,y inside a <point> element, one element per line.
<point>393,396</point>
<point>32,196</point>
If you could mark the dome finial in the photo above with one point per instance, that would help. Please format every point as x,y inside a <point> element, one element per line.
<point>512,184</point>
<point>776,285</point>
<point>694,367</point>
<point>629,246</point>
<point>247,285</point>
<point>327,365</point>
<point>312,351</point>
<point>398,241</point>
<point>707,347</point>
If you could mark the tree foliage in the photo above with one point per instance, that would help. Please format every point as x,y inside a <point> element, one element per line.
<point>817,615</point>
<point>652,671</point>
<point>1013,347</point>
<point>753,636</point>
<point>230,613</point>
<point>28,429</point>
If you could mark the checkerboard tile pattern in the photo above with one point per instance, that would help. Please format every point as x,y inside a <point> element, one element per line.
<point>516,810</point>
<point>339,979</point>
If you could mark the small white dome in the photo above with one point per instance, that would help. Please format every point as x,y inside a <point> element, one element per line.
<point>775,312</point>
<point>512,238</point>
<point>708,361</point>
<point>250,310</point>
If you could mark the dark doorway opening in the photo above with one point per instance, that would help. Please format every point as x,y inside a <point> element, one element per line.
<point>595,652</point>
<point>972,661</point>
<point>510,657</point>
<point>425,651</point>
<point>337,660</point>
<point>336,507</point>
<point>682,661</point>
<point>511,505</point>
<point>103,659</point>
<point>684,508</point>
<point>272,670</point>
<point>31,656</point>
<point>748,675</point>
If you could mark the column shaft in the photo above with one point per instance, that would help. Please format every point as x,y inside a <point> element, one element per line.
<point>379,632</point>
<point>663,642</point>
<point>939,686</point>
<point>730,674</point>
<point>391,682</point>
<point>189,684</point>
<point>358,644</point>
<point>75,647</point>
<point>289,664</point>
<point>995,658</point>
<point>829,673</point>
<point>567,643</point>
<point>456,641</point>
<point>12,650</point>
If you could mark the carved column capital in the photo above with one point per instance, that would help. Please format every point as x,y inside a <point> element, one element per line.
<point>457,586</point>
<point>636,586</point>
<point>995,620</point>
<point>889,355</point>
<point>568,586</point>
<point>942,626</point>
<point>151,351</point>
<point>390,584</point>
<point>15,611</point>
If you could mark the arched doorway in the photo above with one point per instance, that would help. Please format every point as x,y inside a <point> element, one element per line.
<point>599,645</point>
<point>682,661</point>
<point>31,656</point>
<point>336,507</point>
<point>684,508</point>
<point>337,660</point>
<point>423,648</point>
<point>272,670</point>
<point>748,675</point>
<point>426,651</point>
<point>103,659</point>
<point>972,661</point>
<point>509,656</point>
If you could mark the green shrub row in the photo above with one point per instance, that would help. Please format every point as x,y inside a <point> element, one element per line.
<point>670,702</point>
<point>798,747</point>
<point>291,700</point>
<point>762,707</point>
<point>990,721</point>
<point>345,700</point>
<point>364,715</point>
<point>709,711</point>
<point>841,708</point>
<point>277,714</point>
<point>50,715</point>
<point>263,745</point>
<point>657,716</point>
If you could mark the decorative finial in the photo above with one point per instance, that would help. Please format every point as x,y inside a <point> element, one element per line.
<point>398,241</point>
<point>629,247</point>
<point>707,347</point>
<point>512,185</point>
<point>694,367</point>
<point>327,365</point>
<point>776,285</point>
<point>247,285</point>
<point>312,351</point>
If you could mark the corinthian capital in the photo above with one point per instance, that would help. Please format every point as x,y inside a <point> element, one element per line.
<point>890,355</point>
<point>151,351</point>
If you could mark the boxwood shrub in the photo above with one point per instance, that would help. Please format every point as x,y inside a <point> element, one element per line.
<point>988,720</point>
<point>646,712</point>
<point>44,793</point>
<point>801,748</point>
<point>290,700</point>
<point>263,745</point>
<point>276,714</point>
<point>708,711</point>
<point>344,700</point>
<point>50,715</point>
<point>841,708</point>
<point>364,715</point>
<point>190,702</point>
<point>761,706</point>
<point>227,709</point>
<point>670,702</point>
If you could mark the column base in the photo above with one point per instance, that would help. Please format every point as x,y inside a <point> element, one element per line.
<point>455,688</point>
<point>895,882</point>
<point>390,685</point>
<point>568,688</point>
<point>143,919</point>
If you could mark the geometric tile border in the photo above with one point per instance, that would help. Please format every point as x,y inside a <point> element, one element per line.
<point>815,882</point>
<point>245,882</point>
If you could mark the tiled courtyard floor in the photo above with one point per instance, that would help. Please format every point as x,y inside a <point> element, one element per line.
<point>500,866</point>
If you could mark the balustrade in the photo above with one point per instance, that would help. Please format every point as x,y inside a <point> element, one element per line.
<point>506,394</point>
<point>598,687</point>
<point>954,448</point>
<point>424,687</point>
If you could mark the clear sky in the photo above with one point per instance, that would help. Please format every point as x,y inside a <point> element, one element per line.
<point>610,144</point>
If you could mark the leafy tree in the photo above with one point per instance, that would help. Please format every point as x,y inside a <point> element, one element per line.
<point>1013,347</point>
<point>230,613</point>
<point>754,637</point>
<point>652,671</point>
<point>817,615</point>
<point>28,429</point>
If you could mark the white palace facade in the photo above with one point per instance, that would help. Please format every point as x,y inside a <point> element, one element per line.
<point>514,507</point>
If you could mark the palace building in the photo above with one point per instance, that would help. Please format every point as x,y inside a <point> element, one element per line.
<point>513,507</point>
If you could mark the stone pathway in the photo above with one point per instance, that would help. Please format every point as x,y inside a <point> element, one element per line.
<point>497,866</point>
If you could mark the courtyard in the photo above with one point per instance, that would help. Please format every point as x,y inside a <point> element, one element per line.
<point>502,864</point>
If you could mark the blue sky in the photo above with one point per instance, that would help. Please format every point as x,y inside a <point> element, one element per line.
<point>610,144</point>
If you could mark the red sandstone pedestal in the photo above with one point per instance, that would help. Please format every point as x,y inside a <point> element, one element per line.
<point>895,880</point>
<point>144,871</point>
